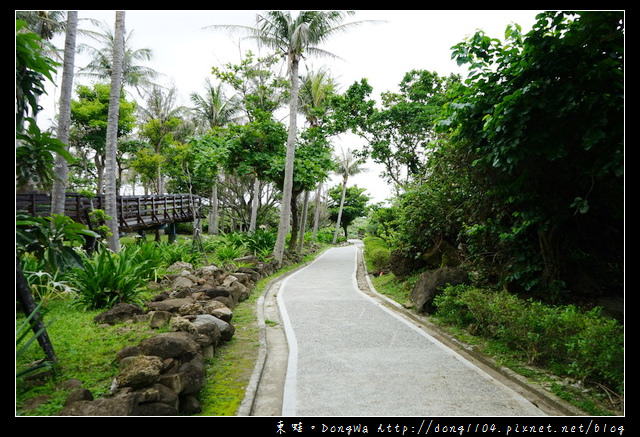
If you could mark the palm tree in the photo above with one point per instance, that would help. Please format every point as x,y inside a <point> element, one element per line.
<point>112,132</point>
<point>100,66</point>
<point>349,165</point>
<point>292,36</point>
<point>315,89</point>
<point>64,117</point>
<point>213,108</point>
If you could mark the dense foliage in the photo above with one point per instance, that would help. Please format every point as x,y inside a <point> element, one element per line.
<point>527,173</point>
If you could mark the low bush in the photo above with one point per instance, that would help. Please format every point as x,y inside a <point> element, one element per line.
<point>108,278</point>
<point>581,344</point>
<point>377,253</point>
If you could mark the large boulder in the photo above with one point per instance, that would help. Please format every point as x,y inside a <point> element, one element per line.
<point>433,281</point>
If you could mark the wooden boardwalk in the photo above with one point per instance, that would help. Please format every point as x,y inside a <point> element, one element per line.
<point>135,213</point>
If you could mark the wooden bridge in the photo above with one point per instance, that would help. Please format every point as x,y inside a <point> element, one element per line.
<point>135,213</point>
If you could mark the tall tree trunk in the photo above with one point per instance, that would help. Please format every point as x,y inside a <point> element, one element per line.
<point>303,220</point>
<point>316,212</point>
<point>285,212</point>
<point>549,250</point>
<point>64,117</point>
<point>344,192</point>
<point>295,220</point>
<point>111,208</point>
<point>214,217</point>
<point>254,205</point>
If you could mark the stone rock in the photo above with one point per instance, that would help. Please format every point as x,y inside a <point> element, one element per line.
<point>209,273</point>
<point>81,394</point>
<point>182,324</point>
<point>228,301</point>
<point>190,308</point>
<point>208,328</point>
<point>170,345</point>
<point>253,275</point>
<point>119,313</point>
<point>433,281</point>
<point>226,329</point>
<point>159,318</point>
<point>183,282</point>
<point>158,393</point>
<point>193,375</point>
<point>127,351</point>
<point>140,371</point>
<point>216,291</point>
<point>162,375</point>
<point>121,404</point>
<point>180,266</point>
<point>189,404</point>
<point>222,313</point>
<point>157,409</point>
<point>170,305</point>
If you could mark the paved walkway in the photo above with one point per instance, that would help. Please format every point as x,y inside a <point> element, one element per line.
<point>351,356</point>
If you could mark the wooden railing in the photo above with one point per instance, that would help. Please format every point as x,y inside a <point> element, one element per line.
<point>134,212</point>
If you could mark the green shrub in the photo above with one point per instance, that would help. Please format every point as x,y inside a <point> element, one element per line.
<point>380,258</point>
<point>376,253</point>
<point>108,278</point>
<point>261,243</point>
<point>325,235</point>
<point>573,342</point>
<point>179,251</point>
<point>226,253</point>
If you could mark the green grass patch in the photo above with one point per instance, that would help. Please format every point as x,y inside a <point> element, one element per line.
<point>84,351</point>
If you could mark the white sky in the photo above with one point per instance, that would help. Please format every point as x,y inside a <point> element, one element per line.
<point>184,51</point>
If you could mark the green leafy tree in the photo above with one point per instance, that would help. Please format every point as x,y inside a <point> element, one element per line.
<point>291,36</point>
<point>401,133</point>
<point>213,108</point>
<point>35,149</point>
<point>346,205</point>
<point>544,115</point>
<point>259,92</point>
<point>316,91</point>
<point>89,115</point>
<point>347,165</point>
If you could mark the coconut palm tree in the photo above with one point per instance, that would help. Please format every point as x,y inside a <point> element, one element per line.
<point>348,165</point>
<point>293,36</point>
<point>112,132</point>
<point>100,67</point>
<point>213,108</point>
<point>315,89</point>
<point>64,117</point>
